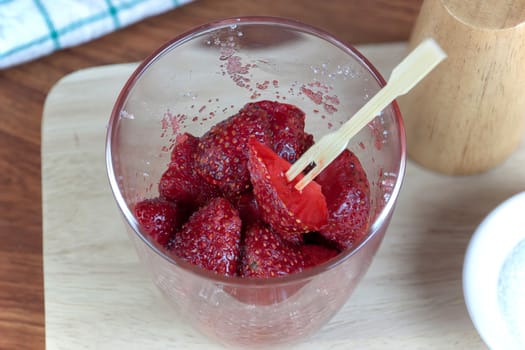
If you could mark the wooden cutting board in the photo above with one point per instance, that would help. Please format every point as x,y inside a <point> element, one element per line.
<point>97,296</point>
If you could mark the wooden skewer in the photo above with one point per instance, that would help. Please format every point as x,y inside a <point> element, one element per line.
<point>404,77</point>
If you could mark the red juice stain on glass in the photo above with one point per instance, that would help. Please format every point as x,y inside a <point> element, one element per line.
<point>170,121</point>
<point>316,97</point>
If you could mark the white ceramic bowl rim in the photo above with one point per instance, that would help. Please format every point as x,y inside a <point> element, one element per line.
<point>494,239</point>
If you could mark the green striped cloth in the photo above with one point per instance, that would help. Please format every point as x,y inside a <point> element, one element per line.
<point>33,28</point>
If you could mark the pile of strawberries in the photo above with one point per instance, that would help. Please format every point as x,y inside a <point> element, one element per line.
<point>225,204</point>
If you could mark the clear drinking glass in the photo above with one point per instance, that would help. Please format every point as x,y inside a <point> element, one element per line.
<point>206,75</point>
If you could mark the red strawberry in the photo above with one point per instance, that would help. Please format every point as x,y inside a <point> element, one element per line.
<point>159,218</point>
<point>287,128</point>
<point>211,238</point>
<point>247,206</point>
<point>288,211</point>
<point>222,154</point>
<point>308,141</point>
<point>266,254</point>
<point>317,254</point>
<point>346,188</point>
<point>180,182</point>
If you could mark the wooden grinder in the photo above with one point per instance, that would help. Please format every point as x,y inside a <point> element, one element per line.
<point>469,114</point>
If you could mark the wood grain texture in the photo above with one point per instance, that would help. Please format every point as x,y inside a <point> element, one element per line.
<point>467,116</point>
<point>411,298</point>
<point>23,90</point>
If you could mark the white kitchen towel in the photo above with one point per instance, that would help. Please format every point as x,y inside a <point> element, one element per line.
<point>33,28</point>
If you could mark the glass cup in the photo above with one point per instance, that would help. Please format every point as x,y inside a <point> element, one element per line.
<point>206,75</point>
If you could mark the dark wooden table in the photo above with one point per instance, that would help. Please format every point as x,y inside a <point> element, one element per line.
<point>23,90</point>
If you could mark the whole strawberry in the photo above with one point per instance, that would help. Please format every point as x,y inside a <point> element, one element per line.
<point>286,127</point>
<point>180,182</point>
<point>265,254</point>
<point>159,218</point>
<point>308,141</point>
<point>347,191</point>
<point>211,238</point>
<point>222,155</point>
<point>288,211</point>
<point>314,254</point>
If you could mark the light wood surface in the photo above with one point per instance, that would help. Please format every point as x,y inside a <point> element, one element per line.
<point>23,90</point>
<point>468,115</point>
<point>99,297</point>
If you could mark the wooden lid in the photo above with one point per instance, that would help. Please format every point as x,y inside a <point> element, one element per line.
<point>487,14</point>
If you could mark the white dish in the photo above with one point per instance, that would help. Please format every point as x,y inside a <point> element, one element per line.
<point>489,248</point>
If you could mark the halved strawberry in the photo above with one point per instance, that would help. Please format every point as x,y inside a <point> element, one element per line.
<point>288,211</point>
<point>222,152</point>
<point>287,128</point>
<point>347,191</point>
<point>211,238</point>
<point>180,182</point>
<point>265,254</point>
<point>159,218</point>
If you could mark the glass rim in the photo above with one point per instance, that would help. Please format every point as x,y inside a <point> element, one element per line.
<point>238,281</point>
